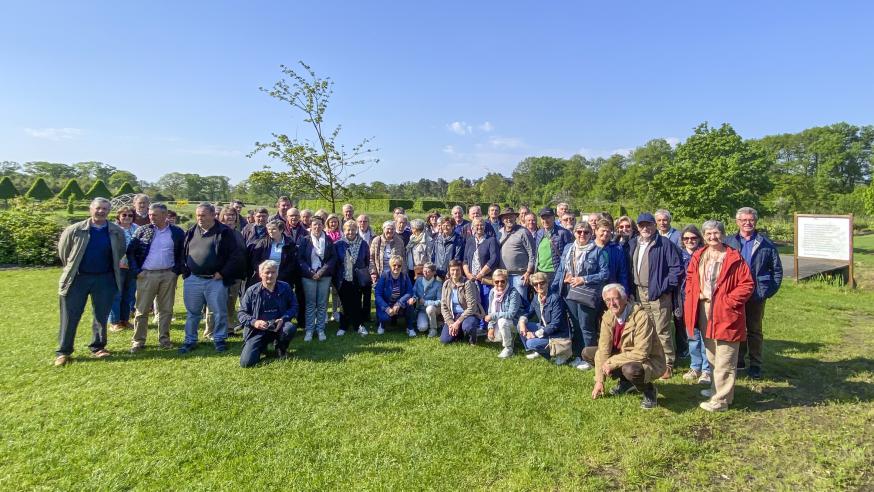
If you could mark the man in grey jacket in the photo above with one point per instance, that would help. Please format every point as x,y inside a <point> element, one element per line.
<point>93,254</point>
<point>517,252</point>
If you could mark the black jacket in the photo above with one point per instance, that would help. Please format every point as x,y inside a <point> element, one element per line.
<point>230,256</point>
<point>260,251</point>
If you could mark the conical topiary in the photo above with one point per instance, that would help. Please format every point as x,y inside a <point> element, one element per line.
<point>71,205</point>
<point>39,190</point>
<point>7,189</point>
<point>125,189</point>
<point>71,189</point>
<point>98,189</point>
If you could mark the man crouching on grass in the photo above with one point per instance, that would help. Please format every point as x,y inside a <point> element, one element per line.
<point>265,313</point>
<point>628,348</point>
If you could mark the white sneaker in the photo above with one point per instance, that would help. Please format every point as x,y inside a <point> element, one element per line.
<point>584,366</point>
<point>532,356</point>
<point>432,333</point>
<point>322,336</point>
<point>362,331</point>
<point>380,330</point>
<point>308,337</point>
<point>560,361</point>
<point>340,333</point>
<point>506,353</point>
<point>411,333</point>
<point>576,362</point>
<point>707,393</point>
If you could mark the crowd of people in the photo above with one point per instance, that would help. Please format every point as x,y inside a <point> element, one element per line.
<point>624,298</point>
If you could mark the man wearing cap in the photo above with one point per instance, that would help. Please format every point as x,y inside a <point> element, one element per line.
<point>549,242</point>
<point>517,252</point>
<point>656,268</point>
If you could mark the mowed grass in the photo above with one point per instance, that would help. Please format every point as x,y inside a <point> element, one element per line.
<point>391,413</point>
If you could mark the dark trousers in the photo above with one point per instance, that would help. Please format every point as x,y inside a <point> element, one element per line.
<point>256,341</point>
<point>102,289</point>
<point>632,372</point>
<point>755,311</point>
<point>407,312</point>
<point>350,298</point>
<point>584,326</point>
<point>469,328</point>
<point>301,301</point>
<point>681,340</point>
<point>366,296</point>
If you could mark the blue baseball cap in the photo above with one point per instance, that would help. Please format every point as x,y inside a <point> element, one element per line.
<point>646,217</point>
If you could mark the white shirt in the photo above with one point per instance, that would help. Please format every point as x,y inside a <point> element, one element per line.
<point>318,251</point>
<point>642,251</point>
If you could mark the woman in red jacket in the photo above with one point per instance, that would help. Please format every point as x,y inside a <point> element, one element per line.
<point>718,284</point>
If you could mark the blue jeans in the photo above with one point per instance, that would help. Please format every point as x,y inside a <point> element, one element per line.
<point>515,281</point>
<point>197,292</point>
<point>255,341</point>
<point>483,290</point>
<point>698,353</point>
<point>469,327</point>
<point>584,326</point>
<point>539,345</point>
<point>123,304</point>
<point>408,312</point>
<point>316,294</point>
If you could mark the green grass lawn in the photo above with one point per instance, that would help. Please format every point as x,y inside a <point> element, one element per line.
<point>391,413</point>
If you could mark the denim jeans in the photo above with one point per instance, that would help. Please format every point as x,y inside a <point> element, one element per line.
<point>124,302</point>
<point>469,327</point>
<point>698,353</point>
<point>101,288</point>
<point>197,292</point>
<point>515,281</point>
<point>255,341</point>
<point>539,345</point>
<point>584,326</point>
<point>316,294</point>
<point>483,290</point>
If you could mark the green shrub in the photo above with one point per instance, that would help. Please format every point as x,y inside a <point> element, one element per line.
<point>98,189</point>
<point>428,205</point>
<point>71,206</point>
<point>125,189</point>
<point>39,190</point>
<point>28,237</point>
<point>71,190</point>
<point>7,189</point>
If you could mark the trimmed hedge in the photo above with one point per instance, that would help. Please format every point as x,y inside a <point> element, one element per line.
<point>7,189</point>
<point>40,190</point>
<point>71,190</point>
<point>407,205</point>
<point>28,237</point>
<point>125,189</point>
<point>98,189</point>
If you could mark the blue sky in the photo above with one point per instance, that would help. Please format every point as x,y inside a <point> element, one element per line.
<point>447,89</point>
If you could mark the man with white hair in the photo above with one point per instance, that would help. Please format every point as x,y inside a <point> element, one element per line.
<point>663,224</point>
<point>93,254</point>
<point>266,311</point>
<point>465,231</point>
<point>141,204</point>
<point>628,348</point>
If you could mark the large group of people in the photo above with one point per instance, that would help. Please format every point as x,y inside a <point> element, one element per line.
<point>624,298</point>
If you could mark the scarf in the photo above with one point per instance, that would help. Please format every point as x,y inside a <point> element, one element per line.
<point>498,300</point>
<point>352,250</point>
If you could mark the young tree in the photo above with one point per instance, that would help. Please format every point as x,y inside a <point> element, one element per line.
<point>321,166</point>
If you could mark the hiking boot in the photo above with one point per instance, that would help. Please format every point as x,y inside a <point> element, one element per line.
<point>650,397</point>
<point>624,386</point>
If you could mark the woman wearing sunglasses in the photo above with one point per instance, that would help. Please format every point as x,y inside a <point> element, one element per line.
<point>546,319</point>
<point>503,312</point>
<point>123,304</point>
<point>699,371</point>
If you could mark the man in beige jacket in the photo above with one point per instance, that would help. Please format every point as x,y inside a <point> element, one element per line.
<point>93,254</point>
<point>628,348</point>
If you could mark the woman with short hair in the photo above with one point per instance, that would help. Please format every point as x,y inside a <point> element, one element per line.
<point>394,297</point>
<point>274,246</point>
<point>460,306</point>
<point>447,246</point>
<point>502,312</point>
<point>353,273</point>
<point>481,257</point>
<point>419,249</point>
<point>427,290</point>
<point>123,302</point>
<point>383,248</point>
<point>332,227</point>
<point>549,311</point>
<point>718,284</point>
<point>699,368</point>
<point>433,226</point>
<point>317,259</point>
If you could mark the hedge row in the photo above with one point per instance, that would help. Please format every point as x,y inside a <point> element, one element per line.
<point>40,190</point>
<point>385,205</point>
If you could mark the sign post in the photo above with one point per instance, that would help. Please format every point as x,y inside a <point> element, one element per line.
<point>828,237</point>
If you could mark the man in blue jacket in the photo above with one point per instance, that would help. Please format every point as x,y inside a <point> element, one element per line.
<point>656,268</point>
<point>764,261</point>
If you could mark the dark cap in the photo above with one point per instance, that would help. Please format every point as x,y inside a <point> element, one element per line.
<point>646,217</point>
<point>547,212</point>
<point>507,211</point>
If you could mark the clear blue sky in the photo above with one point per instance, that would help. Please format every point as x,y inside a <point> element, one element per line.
<point>446,88</point>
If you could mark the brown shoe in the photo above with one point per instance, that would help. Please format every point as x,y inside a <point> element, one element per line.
<point>669,372</point>
<point>101,354</point>
<point>116,327</point>
<point>63,360</point>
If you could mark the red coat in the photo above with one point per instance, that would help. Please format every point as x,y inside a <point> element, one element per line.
<point>733,287</point>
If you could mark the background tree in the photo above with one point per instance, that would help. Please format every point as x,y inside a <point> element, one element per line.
<point>71,190</point>
<point>461,191</point>
<point>39,190</point>
<point>494,188</point>
<point>98,189</point>
<point>93,170</point>
<point>322,166</point>
<point>119,178</point>
<point>713,174</point>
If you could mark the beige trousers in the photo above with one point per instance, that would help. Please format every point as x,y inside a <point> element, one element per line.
<point>158,288</point>
<point>659,311</point>
<point>723,359</point>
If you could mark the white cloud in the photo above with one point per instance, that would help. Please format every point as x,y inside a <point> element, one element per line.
<point>55,134</point>
<point>673,141</point>
<point>460,128</point>
<point>506,143</point>
<point>449,149</point>
<point>487,127</point>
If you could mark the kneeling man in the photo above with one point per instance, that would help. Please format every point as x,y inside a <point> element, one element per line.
<point>628,348</point>
<point>265,313</point>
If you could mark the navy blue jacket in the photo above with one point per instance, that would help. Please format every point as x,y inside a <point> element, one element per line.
<point>665,266</point>
<point>304,257</point>
<point>250,304</point>
<point>363,261</point>
<point>765,267</point>
<point>382,291</point>
<point>452,248</point>
<point>260,251</point>
<point>554,321</point>
<point>141,243</point>
<point>230,255</point>
<point>619,269</point>
<point>559,237</point>
<point>487,253</point>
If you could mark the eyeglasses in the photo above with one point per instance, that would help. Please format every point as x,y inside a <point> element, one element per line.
<point>690,238</point>
<point>500,282</point>
<point>585,233</point>
<point>126,215</point>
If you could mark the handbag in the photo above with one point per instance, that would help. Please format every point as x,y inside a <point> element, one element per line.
<point>585,295</point>
<point>560,347</point>
<point>362,277</point>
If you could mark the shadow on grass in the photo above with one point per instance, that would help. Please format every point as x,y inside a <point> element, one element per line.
<point>811,381</point>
